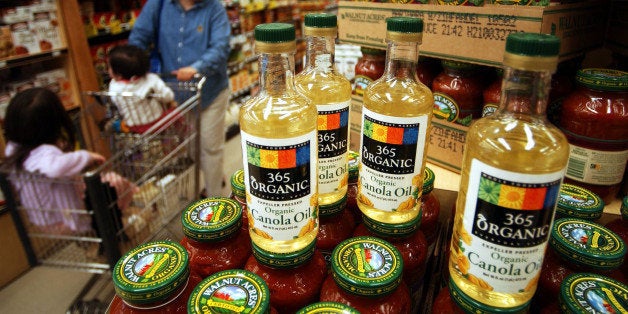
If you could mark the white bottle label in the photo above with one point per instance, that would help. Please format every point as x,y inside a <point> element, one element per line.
<point>392,150</point>
<point>505,227</point>
<point>596,166</point>
<point>333,144</point>
<point>281,185</point>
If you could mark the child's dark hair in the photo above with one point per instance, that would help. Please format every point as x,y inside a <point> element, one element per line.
<point>34,117</point>
<point>128,61</point>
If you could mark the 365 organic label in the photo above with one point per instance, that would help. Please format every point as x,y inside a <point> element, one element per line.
<point>333,144</point>
<point>392,151</point>
<point>506,226</point>
<point>281,184</point>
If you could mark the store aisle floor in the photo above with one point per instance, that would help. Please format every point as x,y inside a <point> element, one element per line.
<point>44,289</point>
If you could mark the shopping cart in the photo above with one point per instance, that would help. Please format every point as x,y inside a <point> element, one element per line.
<point>93,224</point>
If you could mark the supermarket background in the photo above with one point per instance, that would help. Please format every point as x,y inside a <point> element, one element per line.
<point>62,44</point>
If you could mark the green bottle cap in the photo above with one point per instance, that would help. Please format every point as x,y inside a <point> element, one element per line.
<point>367,266</point>
<point>578,202</point>
<point>353,164</point>
<point>428,180</point>
<point>398,230</point>
<point>284,260</point>
<point>624,208</point>
<point>533,44</point>
<point>212,219</point>
<point>469,305</point>
<point>587,244</point>
<point>403,24</point>
<point>321,20</point>
<point>603,79</point>
<point>230,291</point>
<point>237,184</point>
<point>274,33</point>
<point>592,293</point>
<point>328,308</point>
<point>151,272</point>
<point>337,207</point>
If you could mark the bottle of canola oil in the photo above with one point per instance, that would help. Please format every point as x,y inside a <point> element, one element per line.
<point>513,166</point>
<point>396,118</point>
<point>330,91</point>
<point>279,148</point>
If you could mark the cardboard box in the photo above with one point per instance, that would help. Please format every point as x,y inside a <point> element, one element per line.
<point>46,28</point>
<point>476,34</point>
<point>617,31</point>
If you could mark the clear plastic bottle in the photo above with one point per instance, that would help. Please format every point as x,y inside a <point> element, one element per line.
<point>279,147</point>
<point>395,122</point>
<point>513,165</point>
<point>330,92</point>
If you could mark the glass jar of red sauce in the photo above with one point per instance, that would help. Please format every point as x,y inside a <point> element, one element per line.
<point>578,202</point>
<point>214,237</point>
<point>238,193</point>
<point>444,304</point>
<point>430,208</point>
<point>492,94</point>
<point>578,245</point>
<point>367,275</point>
<point>335,225</point>
<point>231,291</point>
<point>458,92</point>
<point>369,68</point>
<point>352,189</point>
<point>294,279</point>
<point>327,308</point>
<point>594,119</point>
<point>152,278</point>
<point>411,244</point>
<point>427,69</point>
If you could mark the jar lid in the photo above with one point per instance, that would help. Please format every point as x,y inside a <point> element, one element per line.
<point>405,29</point>
<point>367,266</point>
<point>284,260</point>
<point>428,180</point>
<point>326,210</point>
<point>230,291</point>
<point>212,219</point>
<point>587,244</point>
<point>354,166</point>
<point>321,20</point>
<point>469,305</point>
<point>603,79</point>
<point>624,207</point>
<point>578,202</point>
<point>397,230</point>
<point>328,308</point>
<point>237,183</point>
<point>532,51</point>
<point>372,51</point>
<point>592,293</point>
<point>151,272</point>
<point>275,33</point>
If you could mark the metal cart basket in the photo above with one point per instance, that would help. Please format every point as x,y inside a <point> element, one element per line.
<point>92,222</point>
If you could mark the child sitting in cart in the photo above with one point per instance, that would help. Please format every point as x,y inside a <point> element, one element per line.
<point>41,140</point>
<point>141,97</point>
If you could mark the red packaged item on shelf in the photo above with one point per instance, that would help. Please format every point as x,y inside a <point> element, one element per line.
<point>336,224</point>
<point>214,237</point>
<point>458,92</point>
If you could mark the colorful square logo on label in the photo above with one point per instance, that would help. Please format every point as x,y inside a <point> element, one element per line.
<point>278,157</point>
<point>333,120</point>
<point>517,196</point>
<point>399,135</point>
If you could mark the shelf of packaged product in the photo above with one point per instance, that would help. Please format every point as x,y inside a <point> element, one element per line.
<point>108,37</point>
<point>18,61</point>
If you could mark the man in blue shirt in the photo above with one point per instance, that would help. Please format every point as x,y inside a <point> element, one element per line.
<point>193,38</point>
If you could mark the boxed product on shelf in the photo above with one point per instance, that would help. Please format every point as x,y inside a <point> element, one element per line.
<point>6,42</point>
<point>476,34</point>
<point>46,28</point>
<point>24,38</point>
<point>15,14</point>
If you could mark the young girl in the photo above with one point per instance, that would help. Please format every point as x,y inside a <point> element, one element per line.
<point>128,68</point>
<point>40,140</point>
